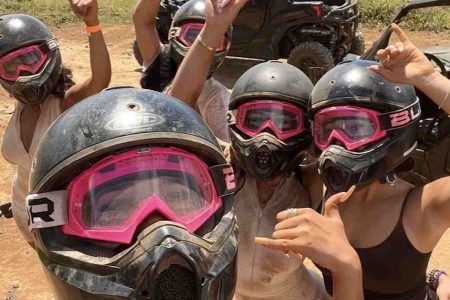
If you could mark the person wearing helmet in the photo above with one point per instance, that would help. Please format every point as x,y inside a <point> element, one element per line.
<point>365,127</point>
<point>162,61</point>
<point>32,72</point>
<point>131,198</point>
<point>270,136</point>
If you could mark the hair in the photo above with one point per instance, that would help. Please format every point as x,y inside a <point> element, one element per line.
<point>64,83</point>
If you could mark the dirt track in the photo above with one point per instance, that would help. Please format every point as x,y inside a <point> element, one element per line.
<point>18,262</point>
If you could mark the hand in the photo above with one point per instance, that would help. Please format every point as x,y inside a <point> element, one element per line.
<point>321,238</point>
<point>443,290</point>
<point>221,13</point>
<point>86,10</point>
<point>403,62</point>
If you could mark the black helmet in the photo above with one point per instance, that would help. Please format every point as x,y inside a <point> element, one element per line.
<point>264,155</point>
<point>193,11</point>
<point>353,84</point>
<point>164,259</point>
<point>18,31</point>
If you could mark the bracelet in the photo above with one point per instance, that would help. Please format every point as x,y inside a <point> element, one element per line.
<point>433,279</point>
<point>93,29</point>
<point>205,45</point>
<point>445,99</point>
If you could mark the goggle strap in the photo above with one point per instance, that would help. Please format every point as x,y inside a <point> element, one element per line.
<point>223,177</point>
<point>400,118</point>
<point>231,118</point>
<point>47,209</point>
<point>49,45</point>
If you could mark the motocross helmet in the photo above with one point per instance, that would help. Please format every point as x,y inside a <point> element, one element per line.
<point>364,125</point>
<point>186,25</point>
<point>30,61</point>
<point>131,198</point>
<point>268,125</point>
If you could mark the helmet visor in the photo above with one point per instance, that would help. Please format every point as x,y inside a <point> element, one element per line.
<point>109,201</point>
<point>283,119</point>
<point>353,126</point>
<point>28,59</point>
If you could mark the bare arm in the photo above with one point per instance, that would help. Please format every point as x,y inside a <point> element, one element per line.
<point>405,63</point>
<point>191,76</point>
<point>99,57</point>
<point>144,19</point>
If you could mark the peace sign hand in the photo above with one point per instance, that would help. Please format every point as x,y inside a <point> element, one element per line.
<point>86,10</point>
<point>403,62</point>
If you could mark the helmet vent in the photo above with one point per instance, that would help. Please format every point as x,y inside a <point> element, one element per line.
<point>134,107</point>
<point>332,82</point>
<point>398,89</point>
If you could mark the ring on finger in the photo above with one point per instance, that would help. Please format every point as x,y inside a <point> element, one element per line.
<point>292,212</point>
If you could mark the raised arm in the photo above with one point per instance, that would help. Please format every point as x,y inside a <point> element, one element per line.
<point>193,71</point>
<point>100,76</point>
<point>144,19</point>
<point>405,63</point>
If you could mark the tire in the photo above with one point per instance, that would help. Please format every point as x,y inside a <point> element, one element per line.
<point>311,54</point>
<point>358,44</point>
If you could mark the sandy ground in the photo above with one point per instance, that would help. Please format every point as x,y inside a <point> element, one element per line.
<point>18,263</point>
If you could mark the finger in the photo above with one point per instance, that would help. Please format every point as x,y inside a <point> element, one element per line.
<point>282,245</point>
<point>332,205</point>
<point>400,33</point>
<point>400,47</point>
<point>384,72</point>
<point>289,223</point>
<point>288,234</point>
<point>288,214</point>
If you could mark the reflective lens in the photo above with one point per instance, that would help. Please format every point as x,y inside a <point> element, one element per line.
<point>352,126</point>
<point>283,119</point>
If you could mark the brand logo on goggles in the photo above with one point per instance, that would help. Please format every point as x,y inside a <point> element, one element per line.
<point>404,117</point>
<point>45,209</point>
<point>131,120</point>
<point>229,178</point>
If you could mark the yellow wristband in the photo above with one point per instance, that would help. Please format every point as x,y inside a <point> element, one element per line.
<point>205,45</point>
<point>93,29</point>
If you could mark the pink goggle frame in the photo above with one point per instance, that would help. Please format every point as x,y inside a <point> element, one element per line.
<point>277,112</point>
<point>27,59</point>
<point>124,232</point>
<point>188,33</point>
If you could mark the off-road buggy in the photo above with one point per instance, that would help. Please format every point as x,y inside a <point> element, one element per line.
<point>312,35</point>
<point>432,156</point>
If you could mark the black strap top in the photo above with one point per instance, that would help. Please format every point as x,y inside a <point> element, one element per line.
<point>393,269</point>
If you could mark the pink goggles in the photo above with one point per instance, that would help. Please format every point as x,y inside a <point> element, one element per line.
<point>285,120</point>
<point>111,199</point>
<point>356,127</point>
<point>27,59</point>
<point>188,33</point>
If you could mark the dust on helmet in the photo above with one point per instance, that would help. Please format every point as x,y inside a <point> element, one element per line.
<point>186,25</point>
<point>364,124</point>
<point>18,34</point>
<point>96,164</point>
<point>268,126</point>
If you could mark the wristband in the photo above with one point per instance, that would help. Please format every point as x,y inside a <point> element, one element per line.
<point>205,45</point>
<point>433,279</point>
<point>93,29</point>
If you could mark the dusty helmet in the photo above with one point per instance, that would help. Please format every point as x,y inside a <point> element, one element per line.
<point>277,89</point>
<point>146,135</point>
<point>380,120</point>
<point>193,12</point>
<point>22,32</point>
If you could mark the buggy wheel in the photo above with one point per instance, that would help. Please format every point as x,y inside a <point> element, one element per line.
<point>137,53</point>
<point>358,44</point>
<point>312,58</point>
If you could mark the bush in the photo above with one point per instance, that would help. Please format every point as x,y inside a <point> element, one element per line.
<point>379,13</point>
<point>58,12</point>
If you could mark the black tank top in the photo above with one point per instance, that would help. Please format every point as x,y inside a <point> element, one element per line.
<point>393,269</point>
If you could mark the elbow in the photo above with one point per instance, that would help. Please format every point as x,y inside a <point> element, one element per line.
<point>141,18</point>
